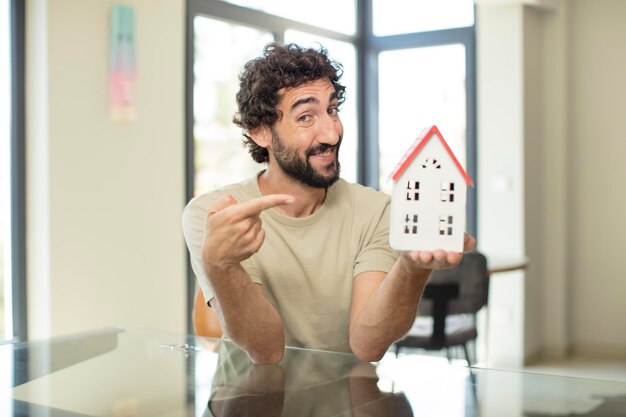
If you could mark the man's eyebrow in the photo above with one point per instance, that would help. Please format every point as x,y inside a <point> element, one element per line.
<point>311,99</point>
<point>302,101</point>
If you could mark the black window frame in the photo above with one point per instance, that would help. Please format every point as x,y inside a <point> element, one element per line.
<point>18,169</point>
<point>368,47</point>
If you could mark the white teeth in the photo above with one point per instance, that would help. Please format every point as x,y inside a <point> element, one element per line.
<point>327,152</point>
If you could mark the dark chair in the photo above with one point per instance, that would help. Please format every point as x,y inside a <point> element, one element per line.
<point>447,311</point>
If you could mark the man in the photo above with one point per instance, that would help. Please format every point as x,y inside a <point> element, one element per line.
<point>297,255</point>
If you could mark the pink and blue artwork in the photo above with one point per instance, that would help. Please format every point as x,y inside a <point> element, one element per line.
<point>122,65</point>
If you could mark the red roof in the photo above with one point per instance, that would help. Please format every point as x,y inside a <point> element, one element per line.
<point>418,145</point>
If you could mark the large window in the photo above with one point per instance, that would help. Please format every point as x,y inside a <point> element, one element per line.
<point>219,157</point>
<point>336,15</point>
<point>221,47</point>
<point>407,65</point>
<point>419,87</point>
<point>423,74</point>
<point>393,17</point>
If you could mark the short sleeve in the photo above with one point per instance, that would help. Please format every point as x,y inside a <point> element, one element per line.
<point>376,254</point>
<point>194,217</point>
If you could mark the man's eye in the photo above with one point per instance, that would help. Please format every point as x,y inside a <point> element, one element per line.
<point>333,111</point>
<point>304,118</point>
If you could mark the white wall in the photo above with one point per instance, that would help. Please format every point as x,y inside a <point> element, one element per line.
<point>596,171</point>
<point>104,199</point>
<point>500,161</point>
<point>534,168</point>
<point>552,299</point>
<point>551,98</point>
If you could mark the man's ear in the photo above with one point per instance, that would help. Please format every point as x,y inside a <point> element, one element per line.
<point>261,135</point>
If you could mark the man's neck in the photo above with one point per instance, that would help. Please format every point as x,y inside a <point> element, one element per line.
<point>308,199</point>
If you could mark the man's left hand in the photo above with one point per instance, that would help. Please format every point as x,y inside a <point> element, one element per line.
<point>440,259</point>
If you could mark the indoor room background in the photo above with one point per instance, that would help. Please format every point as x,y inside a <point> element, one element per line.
<point>104,200</point>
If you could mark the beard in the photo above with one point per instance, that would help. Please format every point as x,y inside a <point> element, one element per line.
<point>300,168</point>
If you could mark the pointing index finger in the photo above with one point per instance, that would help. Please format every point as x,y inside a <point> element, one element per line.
<point>256,206</point>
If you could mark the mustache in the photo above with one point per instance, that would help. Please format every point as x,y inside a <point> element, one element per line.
<point>322,147</point>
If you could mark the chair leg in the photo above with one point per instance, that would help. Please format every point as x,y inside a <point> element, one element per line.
<point>397,349</point>
<point>467,358</point>
<point>448,354</point>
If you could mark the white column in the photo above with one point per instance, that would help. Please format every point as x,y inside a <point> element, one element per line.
<point>499,38</point>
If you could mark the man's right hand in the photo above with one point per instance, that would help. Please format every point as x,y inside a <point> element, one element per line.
<point>233,231</point>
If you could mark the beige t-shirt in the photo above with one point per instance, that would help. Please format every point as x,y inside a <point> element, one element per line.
<point>307,265</point>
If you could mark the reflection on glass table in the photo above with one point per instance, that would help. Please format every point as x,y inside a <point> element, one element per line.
<point>126,372</point>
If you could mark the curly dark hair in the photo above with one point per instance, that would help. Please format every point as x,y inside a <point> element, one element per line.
<point>262,78</point>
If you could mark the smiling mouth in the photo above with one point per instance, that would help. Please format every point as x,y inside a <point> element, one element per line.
<point>327,152</point>
<point>322,150</point>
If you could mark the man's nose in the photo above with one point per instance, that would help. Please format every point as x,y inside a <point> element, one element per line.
<point>331,130</point>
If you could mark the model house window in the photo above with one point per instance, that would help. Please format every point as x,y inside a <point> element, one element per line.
<point>431,163</point>
<point>410,226</point>
<point>447,191</point>
<point>445,225</point>
<point>412,190</point>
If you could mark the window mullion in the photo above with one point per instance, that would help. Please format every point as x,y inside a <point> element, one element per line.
<point>18,175</point>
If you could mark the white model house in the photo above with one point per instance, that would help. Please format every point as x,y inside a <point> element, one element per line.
<point>429,196</point>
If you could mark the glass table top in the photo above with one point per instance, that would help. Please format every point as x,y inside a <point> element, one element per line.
<point>130,372</point>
